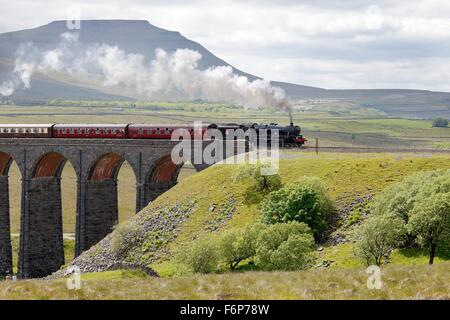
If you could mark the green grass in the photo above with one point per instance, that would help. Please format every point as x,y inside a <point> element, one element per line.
<point>347,176</point>
<point>342,256</point>
<point>399,282</point>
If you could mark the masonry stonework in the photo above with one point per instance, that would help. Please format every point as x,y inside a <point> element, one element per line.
<point>5,233</point>
<point>40,162</point>
<point>43,240</point>
<point>101,213</point>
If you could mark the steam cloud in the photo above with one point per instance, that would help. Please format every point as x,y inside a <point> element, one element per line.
<point>168,74</point>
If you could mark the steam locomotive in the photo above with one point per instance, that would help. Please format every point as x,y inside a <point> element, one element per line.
<point>289,136</point>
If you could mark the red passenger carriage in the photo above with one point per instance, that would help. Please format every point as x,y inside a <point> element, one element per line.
<point>90,131</point>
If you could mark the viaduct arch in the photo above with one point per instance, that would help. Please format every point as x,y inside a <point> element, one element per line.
<point>96,163</point>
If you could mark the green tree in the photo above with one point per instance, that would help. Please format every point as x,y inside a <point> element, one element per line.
<point>239,244</point>
<point>258,184</point>
<point>377,237</point>
<point>440,122</point>
<point>305,201</point>
<point>285,246</point>
<point>430,222</point>
<point>202,256</point>
<point>401,198</point>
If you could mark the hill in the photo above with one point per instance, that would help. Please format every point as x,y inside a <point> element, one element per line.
<point>192,209</point>
<point>137,36</point>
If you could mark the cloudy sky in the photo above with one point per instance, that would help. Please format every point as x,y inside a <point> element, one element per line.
<point>331,44</point>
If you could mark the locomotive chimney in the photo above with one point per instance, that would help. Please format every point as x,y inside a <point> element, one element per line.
<point>291,120</point>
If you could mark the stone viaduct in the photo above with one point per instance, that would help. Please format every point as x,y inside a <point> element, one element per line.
<point>96,163</point>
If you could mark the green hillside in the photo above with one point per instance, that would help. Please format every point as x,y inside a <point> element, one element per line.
<point>212,201</point>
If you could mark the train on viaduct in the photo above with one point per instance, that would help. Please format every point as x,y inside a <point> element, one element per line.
<point>96,152</point>
<point>96,163</point>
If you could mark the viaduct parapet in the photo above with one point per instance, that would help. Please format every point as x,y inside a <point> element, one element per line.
<point>96,163</point>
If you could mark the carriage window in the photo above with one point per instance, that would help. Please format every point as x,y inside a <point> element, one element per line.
<point>82,130</point>
<point>35,130</point>
<point>153,131</point>
<point>13,130</point>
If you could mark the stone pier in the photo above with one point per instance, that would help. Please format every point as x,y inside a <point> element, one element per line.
<point>5,229</point>
<point>42,230</point>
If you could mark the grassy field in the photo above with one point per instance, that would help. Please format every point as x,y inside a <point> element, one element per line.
<point>399,282</point>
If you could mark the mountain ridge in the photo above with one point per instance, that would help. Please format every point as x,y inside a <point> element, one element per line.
<point>141,37</point>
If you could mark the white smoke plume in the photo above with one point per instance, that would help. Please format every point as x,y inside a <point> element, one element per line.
<point>168,74</point>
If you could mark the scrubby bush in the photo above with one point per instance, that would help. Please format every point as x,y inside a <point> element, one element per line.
<point>124,238</point>
<point>377,237</point>
<point>285,246</point>
<point>401,198</point>
<point>440,122</point>
<point>305,201</point>
<point>259,184</point>
<point>417,207</point>
<point>202,256</point>
<point>239,244</point>
<point>430,222</point>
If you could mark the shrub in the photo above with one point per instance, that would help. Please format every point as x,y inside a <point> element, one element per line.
<point>202,256</point>
<point>401,198</point>
<point>259,184</point>
<point>285,246</point>
<point>377,237</point>
<point>239,244</point>
<point>430,222</point>
<point>305,201</point>
<point>124,238</point>
<point>440,122</point>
